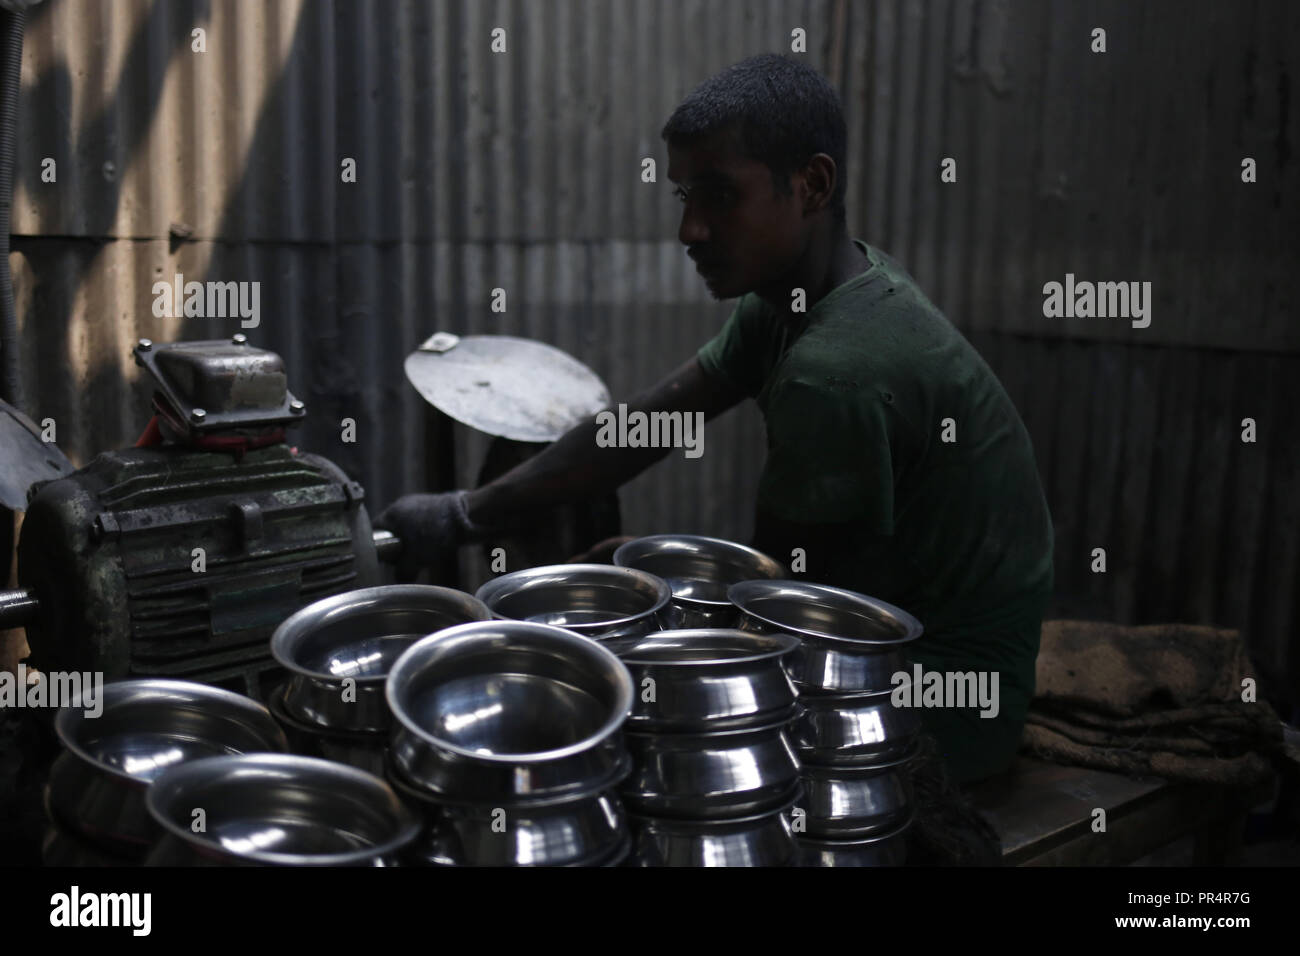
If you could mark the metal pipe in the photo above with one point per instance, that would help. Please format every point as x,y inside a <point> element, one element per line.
<point>11,59</point>
<point>388,546</point>
<point>17,608</point>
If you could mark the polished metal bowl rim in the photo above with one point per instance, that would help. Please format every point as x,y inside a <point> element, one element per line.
<point>663,593</point>
<point>864,769</point>
<point>318,612</point>
<point>69,718</point>
<point>625,549</point>
<point>718,823</point>
<point>626,647</point>
<point>414,793</point>
<point>275,704</point>
<point>469,634</point>
<point>737,593</point>
<point>843,699</point>
<point>855,842</point>
<point>409,824</point>
<point>781,722</point>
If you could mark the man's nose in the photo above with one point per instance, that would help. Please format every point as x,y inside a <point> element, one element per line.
<point>693,229</point>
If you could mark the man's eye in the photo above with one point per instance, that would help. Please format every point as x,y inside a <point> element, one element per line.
<point>718,196</point>
<point>679,194</point>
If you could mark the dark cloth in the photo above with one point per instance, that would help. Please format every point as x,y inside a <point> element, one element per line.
<point>958,533</point>
<point>946,828</point>
<point>973,746</point>
<point>1162,700</point>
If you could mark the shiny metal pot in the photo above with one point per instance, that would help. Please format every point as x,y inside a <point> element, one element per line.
<point>707,679</point>
<point>883,849</point>
<point>698,570</point>
<point>97,785</point>
<point>853,729</point>
<point>596,600</point>
<point>275,809</point>
<point>338,650</point>
<point>847,802</point>
<point>508,711</point>
<point>850,642</point>
<point>62,846</point>
<point>589,830</point>
<point>365,751</point>
<point>733,773</point>
<point>760,840</point>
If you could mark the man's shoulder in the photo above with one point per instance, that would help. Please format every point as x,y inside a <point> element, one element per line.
<point>881,321</point>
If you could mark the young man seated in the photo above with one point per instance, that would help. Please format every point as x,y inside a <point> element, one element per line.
<point>895,460</point>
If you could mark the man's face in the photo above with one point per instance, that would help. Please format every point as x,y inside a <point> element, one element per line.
<point>742,234</point>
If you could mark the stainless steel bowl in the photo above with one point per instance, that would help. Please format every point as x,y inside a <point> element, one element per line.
<point>883,849</point>
<point>63,847</point>
<point>760,840</point>
<point>595,600</point>
<point>698,570</point>
<point>147,726</point>
<point>277,809</point>
<point>360,749</point>
<point>851,642</point>
<point>849,802</point>
<point>853,729</point>
<point>734,773</point>
<point>356,637</point>
<point>707,680</point>
<point>509,711</point>
<point>588,830</point>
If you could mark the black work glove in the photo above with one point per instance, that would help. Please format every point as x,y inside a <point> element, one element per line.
<point>430,526</point>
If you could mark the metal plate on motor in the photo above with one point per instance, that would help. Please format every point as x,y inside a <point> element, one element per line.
<point>221,384</point>
<point>505,386</point>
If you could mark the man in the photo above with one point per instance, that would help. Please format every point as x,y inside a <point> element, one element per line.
<point>896,461</point>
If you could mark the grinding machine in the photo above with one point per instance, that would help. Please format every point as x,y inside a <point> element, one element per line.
<point>180,556</point>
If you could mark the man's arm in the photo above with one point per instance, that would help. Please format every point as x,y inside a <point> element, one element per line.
<point>433,525</point>
<point>575,467</point>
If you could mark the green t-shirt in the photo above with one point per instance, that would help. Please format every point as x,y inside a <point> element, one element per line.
<point>857,402</point>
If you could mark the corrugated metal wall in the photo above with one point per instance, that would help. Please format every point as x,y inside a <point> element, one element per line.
<point>522,170</point>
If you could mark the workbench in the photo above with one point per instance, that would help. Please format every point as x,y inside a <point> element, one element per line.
<point>1044,813</point>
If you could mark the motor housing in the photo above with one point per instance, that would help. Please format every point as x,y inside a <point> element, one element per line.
<point>179,558</point>
<point>154,561</point>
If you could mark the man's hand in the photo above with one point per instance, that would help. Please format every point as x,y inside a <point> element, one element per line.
<point>430,527</point>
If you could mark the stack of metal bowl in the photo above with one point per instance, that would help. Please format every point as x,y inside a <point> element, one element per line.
<point>508,741</point>
<point>95,798</point>
<point>854,744</point>
<point>599,601</point>
<point>714,773</point>
<point>276,810</point>
<point>338,652</point>
<point>698,570</point>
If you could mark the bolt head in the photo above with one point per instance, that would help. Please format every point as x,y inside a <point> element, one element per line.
<point>145,345</point>
<point>297,407</point>
<point>239,338</point>
<point>198,415</point>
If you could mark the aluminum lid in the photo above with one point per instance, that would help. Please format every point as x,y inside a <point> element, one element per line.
<point>509,387</point>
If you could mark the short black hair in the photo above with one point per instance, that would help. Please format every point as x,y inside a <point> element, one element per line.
<point>784,112</point>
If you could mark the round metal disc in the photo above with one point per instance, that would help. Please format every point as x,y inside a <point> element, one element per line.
<point>514,388</point>
<point>25,458</point>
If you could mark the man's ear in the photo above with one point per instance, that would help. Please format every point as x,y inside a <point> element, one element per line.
<point>817,183</point>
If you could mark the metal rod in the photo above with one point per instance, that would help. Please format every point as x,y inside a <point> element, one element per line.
<point>388,546</point>
<point>17,608</point>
